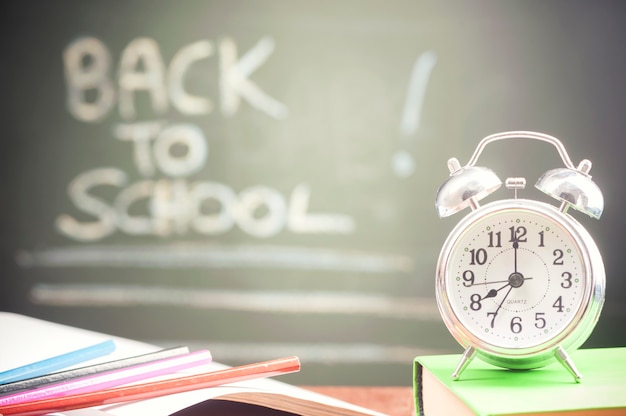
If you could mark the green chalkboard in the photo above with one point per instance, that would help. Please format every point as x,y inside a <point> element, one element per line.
<point>258,178</point>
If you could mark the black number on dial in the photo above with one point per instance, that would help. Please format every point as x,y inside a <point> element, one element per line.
<point>540,321</point>
<point>518,234</point>
<point>495,239</point>
<point>478,256</point>
<point>475,304</point>
<point>558,304</point>
<point>516,325</point>
<point>558,257</point>
<point>468,278</point>
<point>567,282</point>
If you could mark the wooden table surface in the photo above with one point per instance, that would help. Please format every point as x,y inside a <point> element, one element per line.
<point>394,401</point>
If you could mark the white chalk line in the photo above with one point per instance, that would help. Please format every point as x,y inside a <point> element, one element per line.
<point>316,302</point>
<point>189,255</point>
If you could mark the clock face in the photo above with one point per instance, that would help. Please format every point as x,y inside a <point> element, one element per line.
<point>515,278</point>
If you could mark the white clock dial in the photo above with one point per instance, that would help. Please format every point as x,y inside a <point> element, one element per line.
<point>516,278</point>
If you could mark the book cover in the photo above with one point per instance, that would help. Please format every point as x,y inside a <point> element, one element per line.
<point>487,390</point>
<point>34,339</point>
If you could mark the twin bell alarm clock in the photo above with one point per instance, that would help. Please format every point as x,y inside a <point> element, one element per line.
<point>519,282</point>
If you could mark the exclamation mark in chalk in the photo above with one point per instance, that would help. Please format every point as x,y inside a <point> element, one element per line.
<point>403,163</point>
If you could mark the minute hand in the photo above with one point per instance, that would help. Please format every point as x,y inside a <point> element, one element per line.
<point>515,247</point>
<point>500,305</point>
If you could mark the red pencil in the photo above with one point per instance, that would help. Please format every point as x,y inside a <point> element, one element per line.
<point>154,389</point>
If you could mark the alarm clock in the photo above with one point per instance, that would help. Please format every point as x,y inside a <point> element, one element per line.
<point>519,282</point>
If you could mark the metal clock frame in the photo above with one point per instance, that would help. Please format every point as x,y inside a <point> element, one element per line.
<point>571,337</point>
<point>573,187</point>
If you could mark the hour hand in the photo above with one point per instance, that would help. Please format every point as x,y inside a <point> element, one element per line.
<point>491,294</point>
<point>494,292</point>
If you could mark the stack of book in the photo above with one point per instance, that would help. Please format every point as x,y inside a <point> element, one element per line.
<point>492,391</point>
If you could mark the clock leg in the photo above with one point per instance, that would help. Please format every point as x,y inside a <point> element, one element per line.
<point>564,358</point>
<point>467,357</point>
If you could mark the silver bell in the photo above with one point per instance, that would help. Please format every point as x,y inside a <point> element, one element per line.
<point>464,187</point>
<point>574,187</point>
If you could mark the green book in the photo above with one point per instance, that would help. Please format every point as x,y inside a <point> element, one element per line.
<point>487,390</point>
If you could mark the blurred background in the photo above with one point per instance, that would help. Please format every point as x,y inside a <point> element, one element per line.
<point>258,178</point>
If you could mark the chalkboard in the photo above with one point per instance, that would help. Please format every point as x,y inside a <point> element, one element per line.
<point>258,178</point>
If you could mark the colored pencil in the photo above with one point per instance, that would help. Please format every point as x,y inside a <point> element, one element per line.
<point>154,389</point>
<point>57,363</point>
<point>67,375</point>
<point>111,378</point>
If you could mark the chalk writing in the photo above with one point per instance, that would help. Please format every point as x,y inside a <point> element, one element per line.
<point>88,67</point>
<point>173,202</point>
<point>403,163</point>
<point>148,156</point>
<point>175,206</point>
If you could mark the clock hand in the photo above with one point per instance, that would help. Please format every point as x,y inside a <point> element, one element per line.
<point>495,281</point>
<point>494,292</point>
<point>515,280</point>
<point>491,294</point>
<point>515,247</point>
<point>500,305</point>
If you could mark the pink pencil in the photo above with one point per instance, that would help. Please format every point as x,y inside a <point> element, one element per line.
<point>111,378</point>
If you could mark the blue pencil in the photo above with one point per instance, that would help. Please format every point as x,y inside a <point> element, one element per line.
<point>59,362</point>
